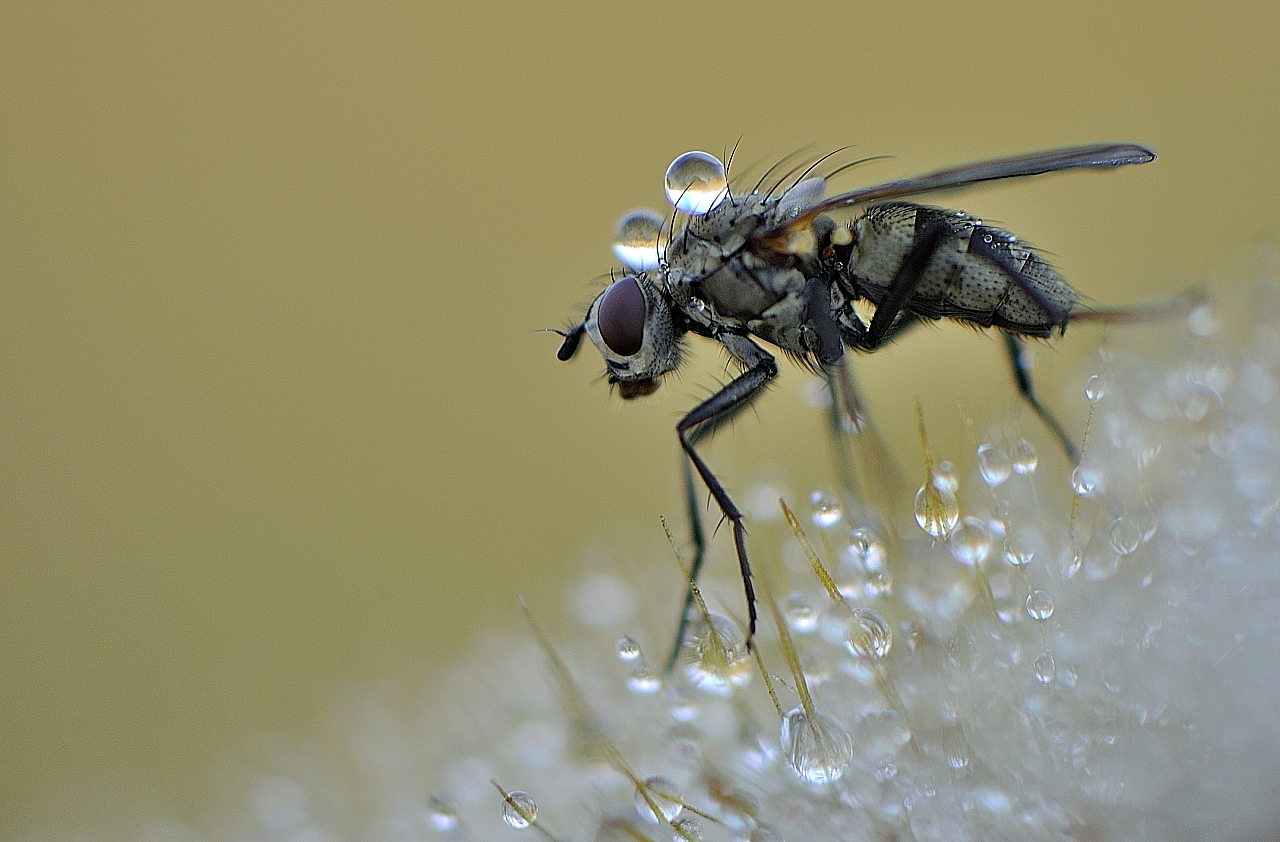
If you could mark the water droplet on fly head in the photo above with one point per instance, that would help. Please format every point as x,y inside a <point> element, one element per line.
<point>993,464</point>
<point>660,794</point>
<point>696,183</point>
<point>519,809</point>
<point>826,509</point>
<point>818,749</point>
<point>636,240</point>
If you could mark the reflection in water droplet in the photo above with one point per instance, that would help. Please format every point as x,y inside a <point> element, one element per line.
<point>937,510</point>
<point>1024,457</point>
<point>818,750</point>
<point>660,793</point>
<point>519,809</point>
<point>1039,606</point>
<point>442,812</point>
<point>1044,668</point>
<point>628,649</point>
<point>715,655</point>
<point>993,464</point>
<point>635,242</point>
<point>686,829</point>
<point>826,509</point>
<point>642,679</point>
<point>1125,535</point>
<point>971,541</point>
<point>696,183</point>
<point>868,635</point>
<point>1095,388</point>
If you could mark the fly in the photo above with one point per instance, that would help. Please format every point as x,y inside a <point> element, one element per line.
<point>750,267</point>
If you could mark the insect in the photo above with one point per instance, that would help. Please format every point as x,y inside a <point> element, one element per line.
<point>776,266</point>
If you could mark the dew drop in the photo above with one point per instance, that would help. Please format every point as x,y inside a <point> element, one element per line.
<point>628,649</point>
<point>442,812</point>
<point>658,800</point>
<point>635,242</point>
<point>1095,388</point>
<point>1044,668</point>
<point>1083,481</point>
<point>1024,457</point>
<point>642,679</point>
<point>826,509</point>
<point>956,750</point>
<point>971,541</point>
<point>944,477</point>
<point>519,809</point>
<point>879,584</point>
<point>1125,535</point>
<point>1039,606</point>
<point>937,510</point>
<point>869,636</point>
<point>802,617</point>
<point>1017,551</point>
<point>865,548</point>
<point>696,183</point>
<point>1072,558</point>
<point>993,464</point>
<point>1147,521</point>
<point>715,655</point>
<point>818,749</point>
<point>686,829</point>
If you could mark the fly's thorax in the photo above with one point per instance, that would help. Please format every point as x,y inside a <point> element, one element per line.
<point>632,325</point>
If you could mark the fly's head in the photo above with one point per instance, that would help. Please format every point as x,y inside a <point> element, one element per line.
<point>632,325</point>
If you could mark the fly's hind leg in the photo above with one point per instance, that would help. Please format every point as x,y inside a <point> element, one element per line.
<point>1022,376</point>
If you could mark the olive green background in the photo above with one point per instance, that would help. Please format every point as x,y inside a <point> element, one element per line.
<point>276,413</point>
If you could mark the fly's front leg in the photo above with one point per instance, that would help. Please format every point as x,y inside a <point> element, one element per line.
<point>703,420</point>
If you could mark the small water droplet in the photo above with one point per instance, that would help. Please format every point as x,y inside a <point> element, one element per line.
<point>696,183</point>
<point>519,809</point>
<point>1095,388</point>
<point>865,548</point>
<point>993,464</point>
<point>818,750</point>
<point>937,510</point>
<point>1202,322</point>
<point>686,829</point>
<point>1125,535</point>
<point>971,541</point>
<point>635,242</point>
<point>442,812</point>
<point>715,655</point>
<point>765,833</point>
<point>879,584</point>
<point>628,649</point>
<point>660,794</point>
<point>1148,523</point>
<point>868,635</point>
<point>1083,481</point>
<point>826,509</point>
<point>642,679</point>
<point>1039,606</point>
<point>1017,551</point>
<point>802,617</point>
<point>956,750</point>
<point>1044,668</point>
<point>1024,457</point>
<point>944,477</point>
<point>1072,558</point>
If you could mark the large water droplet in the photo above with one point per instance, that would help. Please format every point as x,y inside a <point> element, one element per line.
<point>818,749</point>
<point>1024,457</point>
<point>519,809</point>
<point>661,794</point>
<point>1039,606</point>
<point>635,242</point>
<point>937,510</point>
<point>868,635</point>
<point>696,183</point>
<point>715,655</point>
<point>971,541</point>
<point>993,464</point>
<point>826,509</point>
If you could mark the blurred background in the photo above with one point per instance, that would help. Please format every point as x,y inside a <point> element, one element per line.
<point>277,413</point>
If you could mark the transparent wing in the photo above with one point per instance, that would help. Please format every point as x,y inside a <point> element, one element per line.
<point>1098,156</point>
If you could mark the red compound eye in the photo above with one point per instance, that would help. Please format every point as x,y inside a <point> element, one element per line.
<point>620,317</point>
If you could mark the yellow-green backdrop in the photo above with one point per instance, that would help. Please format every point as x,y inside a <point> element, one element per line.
<point>274,410</point>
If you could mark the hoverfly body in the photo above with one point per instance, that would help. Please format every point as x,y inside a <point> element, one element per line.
<point>737,267</point>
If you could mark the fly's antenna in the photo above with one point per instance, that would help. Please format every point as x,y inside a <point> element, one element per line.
<point>572,338</point>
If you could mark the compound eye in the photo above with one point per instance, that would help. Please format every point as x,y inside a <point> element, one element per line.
<point>621,317</point>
